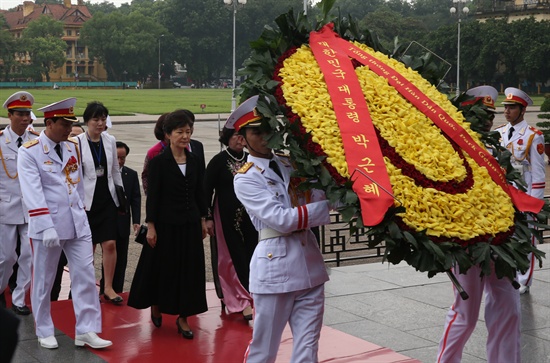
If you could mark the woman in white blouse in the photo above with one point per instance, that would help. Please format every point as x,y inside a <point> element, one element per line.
<point>101,174</point>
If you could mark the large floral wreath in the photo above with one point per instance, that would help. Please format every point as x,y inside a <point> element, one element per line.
<point>447,210</point>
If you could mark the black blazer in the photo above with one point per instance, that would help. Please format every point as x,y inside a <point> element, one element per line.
<point>172,197</point>
<point>197,148</point>
<point>130,182</point>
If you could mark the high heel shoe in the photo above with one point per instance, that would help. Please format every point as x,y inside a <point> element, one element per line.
<point>156,321</point>
<point>187,334</point>
<point>117,300</point>
<point>247,313</point>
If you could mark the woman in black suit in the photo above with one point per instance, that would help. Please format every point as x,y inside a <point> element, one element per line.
<point>170,276</point>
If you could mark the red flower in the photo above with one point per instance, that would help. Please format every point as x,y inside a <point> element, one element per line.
<point>520,142</point>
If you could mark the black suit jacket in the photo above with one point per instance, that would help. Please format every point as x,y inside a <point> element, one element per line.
<point>172,197</point>
<point>197,148</point>
<point>130,181</point>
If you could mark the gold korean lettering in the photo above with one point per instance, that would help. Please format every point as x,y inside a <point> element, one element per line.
<point>344,88</point>
<point>361,140</point>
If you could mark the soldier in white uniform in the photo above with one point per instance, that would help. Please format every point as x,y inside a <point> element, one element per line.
<point>502,305</point>
<point>50,174</point>
<point>526,144</point>
<point>287,271</point>
<point>13,214</point>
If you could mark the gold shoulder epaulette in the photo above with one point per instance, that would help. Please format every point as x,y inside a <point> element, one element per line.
<point>30,143</point>
<point>283,155</point>
<point>1,132</point>
<point>245,167</point>
<point>498,127</point>
<point>34,132</point>
<point>535,130</point>
<point>73,140</point>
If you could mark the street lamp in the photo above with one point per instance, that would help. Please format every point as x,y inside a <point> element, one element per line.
<point>458,10</point>
<point>162,35</point>
<point>234,3</point>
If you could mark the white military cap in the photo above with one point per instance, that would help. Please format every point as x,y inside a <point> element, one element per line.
<point>487,94</point>
<point>62,109</point>
<point>19,101</point>
<point>246,115</point>
<point>516,96</point>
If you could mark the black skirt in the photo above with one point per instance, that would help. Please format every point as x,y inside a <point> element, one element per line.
<point>102,216</point>
<point>172,275</point>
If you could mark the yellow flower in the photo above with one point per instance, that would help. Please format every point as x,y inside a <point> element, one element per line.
<point>485,209</point>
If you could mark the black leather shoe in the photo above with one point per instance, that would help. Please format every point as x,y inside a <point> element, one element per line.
<point>23,310</point>
<point>187,334</point>
<point>156,321</point>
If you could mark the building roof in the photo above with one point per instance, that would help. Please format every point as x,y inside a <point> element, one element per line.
<point>75,15</point>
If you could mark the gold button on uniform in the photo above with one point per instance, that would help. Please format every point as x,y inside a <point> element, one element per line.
<point>269,255</point>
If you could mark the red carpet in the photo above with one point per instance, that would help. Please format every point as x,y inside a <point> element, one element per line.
<point>219,337</point>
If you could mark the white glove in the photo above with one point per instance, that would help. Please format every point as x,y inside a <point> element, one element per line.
<point>335,205</point>
<point>50,238</point>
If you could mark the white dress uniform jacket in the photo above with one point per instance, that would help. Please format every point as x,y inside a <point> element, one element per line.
<point>12,210</point>
<point>53,198</point>
<point>90,177</point>
<point>527,148</point>
<point>13,218</point>
<point>287,263</point>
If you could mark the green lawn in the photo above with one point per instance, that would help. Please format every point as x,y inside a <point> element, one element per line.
<point>132,101</point>
<point>149,101</point>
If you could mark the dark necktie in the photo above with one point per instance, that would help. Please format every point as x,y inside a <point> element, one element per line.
<point>273,165</point>
<point>510,133</point>
<point>58,151</point>
<point>19,141</point>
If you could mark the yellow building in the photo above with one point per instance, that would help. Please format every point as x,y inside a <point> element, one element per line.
<point>515,10</point>
<point>78,65</point>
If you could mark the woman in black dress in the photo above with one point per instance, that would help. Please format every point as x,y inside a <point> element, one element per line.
<point>101,173</point>
<point>229,225</point>
<point>170,275</point>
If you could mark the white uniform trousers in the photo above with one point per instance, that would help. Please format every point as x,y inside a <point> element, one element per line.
<point>502,318</point>
<point>303,310</point>
<point>8,258</point>
<point>79,252</point>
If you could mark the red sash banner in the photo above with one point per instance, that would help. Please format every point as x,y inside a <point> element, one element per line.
<point>356,128</point>
<point>439,117</point>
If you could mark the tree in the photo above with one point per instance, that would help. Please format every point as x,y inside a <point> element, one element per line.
<point>123,43</point>
<point>8,46</point>
<point>42,39</point>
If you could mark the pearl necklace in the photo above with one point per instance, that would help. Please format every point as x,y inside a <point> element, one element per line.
<point>234,158</point>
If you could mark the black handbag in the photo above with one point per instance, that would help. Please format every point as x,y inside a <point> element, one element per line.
<point>122,201</point>
<point>141,236</point>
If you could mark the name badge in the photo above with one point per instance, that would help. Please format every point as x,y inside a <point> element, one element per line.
<point>99,171</point>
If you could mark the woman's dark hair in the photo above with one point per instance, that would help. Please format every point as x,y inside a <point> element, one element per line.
<point>159,127</point>
<point>225,135</point>
<point>94,109</point>
<point>177,119</point>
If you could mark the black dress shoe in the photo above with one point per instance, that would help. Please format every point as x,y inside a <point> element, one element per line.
<point>156,321</point>
<point>23,310</point>
<point>187,334</point>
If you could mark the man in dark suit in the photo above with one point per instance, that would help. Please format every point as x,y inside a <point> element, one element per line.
<point>130,182</point>
<point>197,148</point>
